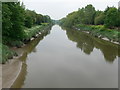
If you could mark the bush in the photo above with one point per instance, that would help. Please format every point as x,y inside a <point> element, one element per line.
<point>17,44</point>
<point>12,42</point>
<point>97,30</point>
<point>6,53</point>
<point>99,19</point>
<point>31,32</point>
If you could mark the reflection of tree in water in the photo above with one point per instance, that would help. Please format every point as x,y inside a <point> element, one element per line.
<point>30,47</point>
<point>110,51</point>
<point>87,43</point>
<point>83,42</point>
<point>86,46</point>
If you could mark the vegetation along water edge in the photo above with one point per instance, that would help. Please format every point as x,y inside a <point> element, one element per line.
<point>102,24</point>
<point>19,26</point>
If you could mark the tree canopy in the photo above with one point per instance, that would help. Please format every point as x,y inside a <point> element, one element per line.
<point>88,15</point>
<point>15,18</point>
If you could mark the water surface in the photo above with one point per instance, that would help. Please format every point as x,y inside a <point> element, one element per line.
<point>68,59</point>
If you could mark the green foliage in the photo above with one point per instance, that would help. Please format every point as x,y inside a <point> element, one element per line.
<point>6,23</point>
<point>44,24</point>
<point>39,19</point>
<point>31,32</point>
<point>47,19</point>
<point>12,42</point>
<point>99,20</point>
<point>32,18</point>
<point>111,20</point>
<point>62,21</point>
<point>28,22</point>
<point>89,14</point>
<point>101,31</point>
<point>81,17</point>
<point>16,43</point>
<point>12,20</point>
<point>32,14</point>
<point>71,19</point>
<point>98,12</point>
<point>17,20</point>
<point>6,53</point>
<point>118,20</point>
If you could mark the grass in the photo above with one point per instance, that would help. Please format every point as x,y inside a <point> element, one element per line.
<point>101,31</point>
<point>44,24</point>
<point>31,32</point>
<point>6,53</point>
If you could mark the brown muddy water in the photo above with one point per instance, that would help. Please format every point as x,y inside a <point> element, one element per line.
<point>68,59</point>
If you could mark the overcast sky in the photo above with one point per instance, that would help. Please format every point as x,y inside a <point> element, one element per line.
<point>58,9</point>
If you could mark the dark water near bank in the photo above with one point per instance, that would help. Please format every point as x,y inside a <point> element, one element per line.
<point>67,58</point>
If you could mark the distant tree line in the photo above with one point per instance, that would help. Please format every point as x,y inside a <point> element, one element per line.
<point>88,15</point>
<point>32,18</point>
<point>15,18</point>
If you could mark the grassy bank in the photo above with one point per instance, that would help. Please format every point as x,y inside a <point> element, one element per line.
<point>31,32</point>
<point>100,31</point>
<point>7,53</point>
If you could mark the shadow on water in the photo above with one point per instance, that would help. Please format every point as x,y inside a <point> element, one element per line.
<point>30,47</point>
<point>87,43</point>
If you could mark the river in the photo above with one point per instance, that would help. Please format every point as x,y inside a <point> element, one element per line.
<point>66,58</point>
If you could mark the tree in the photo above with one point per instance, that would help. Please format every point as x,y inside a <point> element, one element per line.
<point>89,14</point>
<point>17,20</point>
<point>71,19</point>
<point>62,21</point>
<point>39,19</point>
<point>99,20</point>
<point>12,21</point>
<point>6,20</point>
<point>46,19</point>
<point>118,17</point>
<point>106,10</point>
<point>81,17</point>
<point>28,22</point>
<point>98,12</point>
<point>31,14</point>
<point>111,17</point>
